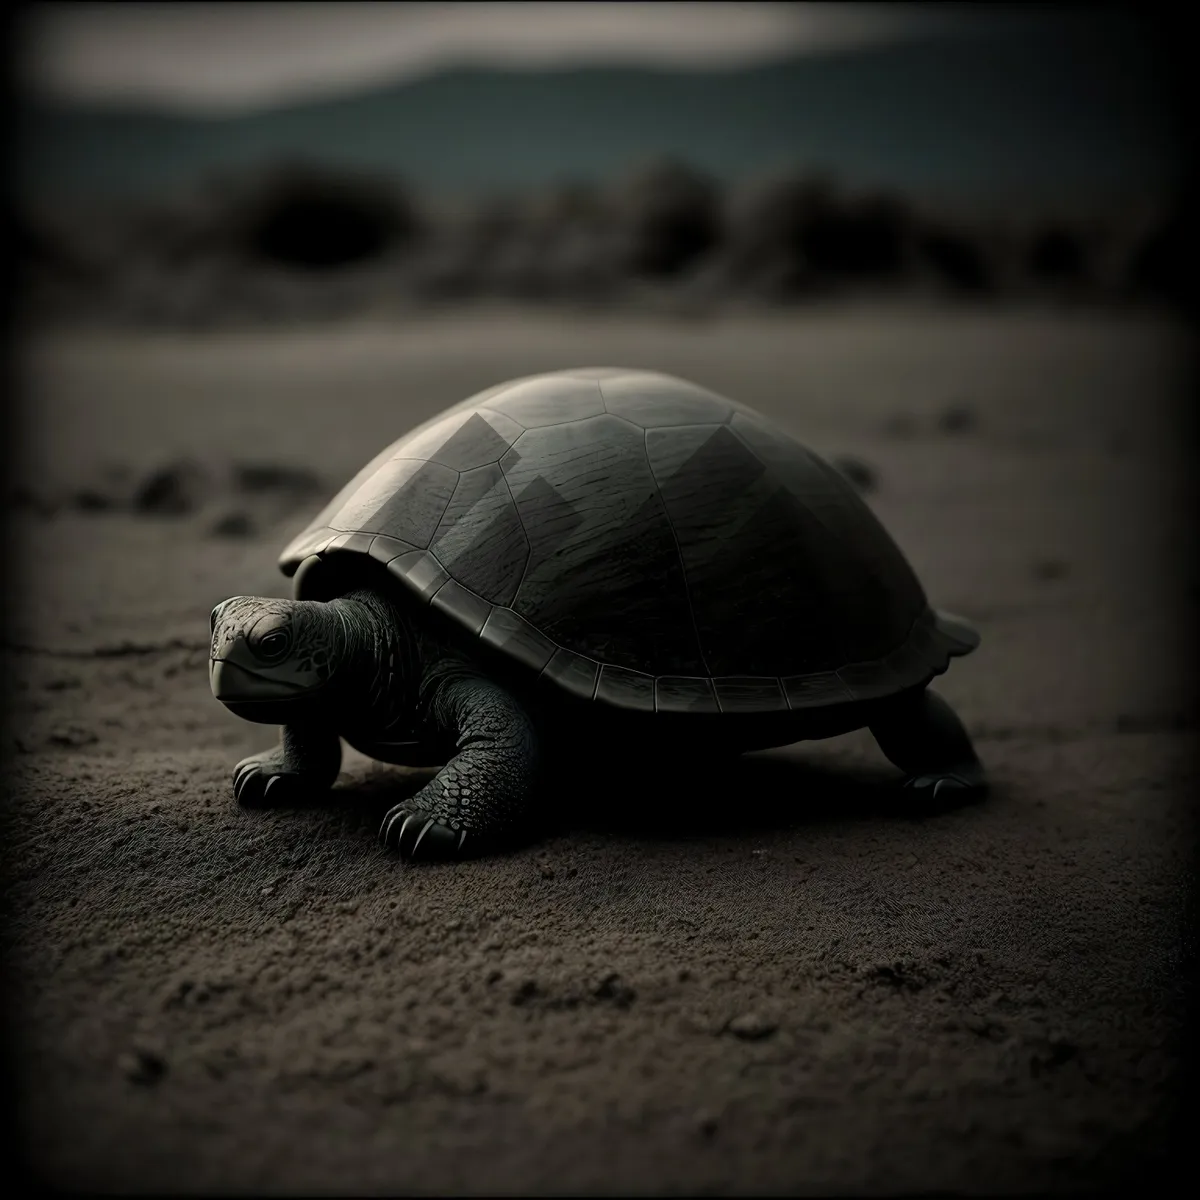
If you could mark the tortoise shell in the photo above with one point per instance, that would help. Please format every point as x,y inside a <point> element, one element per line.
<point>641,541</point>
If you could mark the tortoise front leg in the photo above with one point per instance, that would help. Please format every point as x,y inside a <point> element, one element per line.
<point>303,765</point>
<point>481,795</point>
<point>922,735</point>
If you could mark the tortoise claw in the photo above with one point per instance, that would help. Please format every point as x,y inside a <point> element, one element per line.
<point>963,781</point>
<point>259,781</point>
<point>416,835</point>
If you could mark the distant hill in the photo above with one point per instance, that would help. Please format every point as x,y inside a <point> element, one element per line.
<point>1082,114</point>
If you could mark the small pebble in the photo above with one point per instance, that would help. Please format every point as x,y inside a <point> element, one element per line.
<point>142,1066</point>
<point>613,990</point>
<point>751,1027</point>
<point>527,991</point>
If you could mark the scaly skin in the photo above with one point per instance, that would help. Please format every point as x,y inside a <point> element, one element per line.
<point>483,791</point>
<point>388,683</point>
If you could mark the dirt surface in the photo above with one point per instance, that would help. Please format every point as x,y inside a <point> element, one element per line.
<point>780,979</point>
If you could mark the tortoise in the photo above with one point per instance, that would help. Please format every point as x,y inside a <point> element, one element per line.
<point>573,561</point>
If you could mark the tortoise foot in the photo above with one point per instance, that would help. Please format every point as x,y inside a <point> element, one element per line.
<point>262,780</point>
<point>418,835</point>
<point>959,783</point>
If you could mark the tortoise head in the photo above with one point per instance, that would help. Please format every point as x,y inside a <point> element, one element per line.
<point>271,659</point>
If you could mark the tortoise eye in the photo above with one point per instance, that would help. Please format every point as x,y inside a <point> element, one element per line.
<point>273,645</point>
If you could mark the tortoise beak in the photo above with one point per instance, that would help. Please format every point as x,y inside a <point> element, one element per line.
<point>233,683</point>
<point>227,680</point>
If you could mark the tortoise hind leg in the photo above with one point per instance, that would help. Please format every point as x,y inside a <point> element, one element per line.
<point>922,735</point>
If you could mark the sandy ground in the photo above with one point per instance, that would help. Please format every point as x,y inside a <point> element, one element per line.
<point>786,983</point>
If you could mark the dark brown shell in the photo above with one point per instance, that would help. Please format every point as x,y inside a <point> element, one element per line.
<point>643,541</point>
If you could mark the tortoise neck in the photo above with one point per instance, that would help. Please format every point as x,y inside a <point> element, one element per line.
<point>380,658</point>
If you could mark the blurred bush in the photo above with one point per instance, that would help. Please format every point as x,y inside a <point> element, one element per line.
<point>955,259</point>
<point>796,233</point>
<point>311,219</point>
<point>268,243</point>
<point>1163,262</point>
<point>295,241</point>
<point>665,217</point>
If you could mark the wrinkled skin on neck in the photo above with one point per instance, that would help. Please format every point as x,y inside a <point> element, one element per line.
<point>279,662</point>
